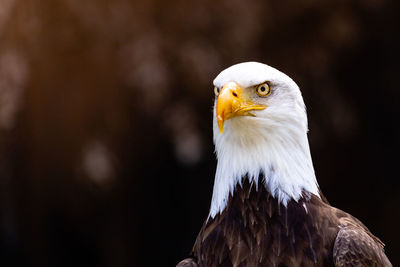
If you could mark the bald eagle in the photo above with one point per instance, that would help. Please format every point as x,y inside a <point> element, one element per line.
<point>266,207</point>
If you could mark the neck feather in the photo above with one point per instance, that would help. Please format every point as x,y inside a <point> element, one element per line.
<point>281,159</point>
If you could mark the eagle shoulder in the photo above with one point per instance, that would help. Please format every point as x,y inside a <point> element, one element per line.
<point>356,246</point>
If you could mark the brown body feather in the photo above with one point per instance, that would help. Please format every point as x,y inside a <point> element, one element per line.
<point>255,229</point>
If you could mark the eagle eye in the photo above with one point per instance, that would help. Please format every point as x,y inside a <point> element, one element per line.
<point>216,90</point>
<point>263,89</point>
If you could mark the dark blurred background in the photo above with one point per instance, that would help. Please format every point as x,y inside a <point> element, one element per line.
<point>106,154</point>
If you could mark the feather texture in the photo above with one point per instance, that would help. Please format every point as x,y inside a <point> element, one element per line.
<point>261,231</point>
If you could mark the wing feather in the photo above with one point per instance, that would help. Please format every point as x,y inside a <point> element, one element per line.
<point>356,246</point>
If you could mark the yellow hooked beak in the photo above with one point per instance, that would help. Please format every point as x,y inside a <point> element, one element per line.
<point>232,102</point>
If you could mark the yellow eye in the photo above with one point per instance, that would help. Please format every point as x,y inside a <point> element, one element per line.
<point>216,90</point>
<point>263,89</point>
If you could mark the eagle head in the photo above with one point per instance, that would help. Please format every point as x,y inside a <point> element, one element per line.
<point>260,130</point>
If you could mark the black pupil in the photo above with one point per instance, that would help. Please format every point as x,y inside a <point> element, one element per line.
<point>262,89</point>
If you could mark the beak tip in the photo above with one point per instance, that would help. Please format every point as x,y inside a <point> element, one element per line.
<point>220,120</point>
<point>221,126</point>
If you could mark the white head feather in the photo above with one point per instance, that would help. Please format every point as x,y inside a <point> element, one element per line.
<point>273,143</point>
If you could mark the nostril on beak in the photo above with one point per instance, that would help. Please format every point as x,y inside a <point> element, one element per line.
<point>234,94</point>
